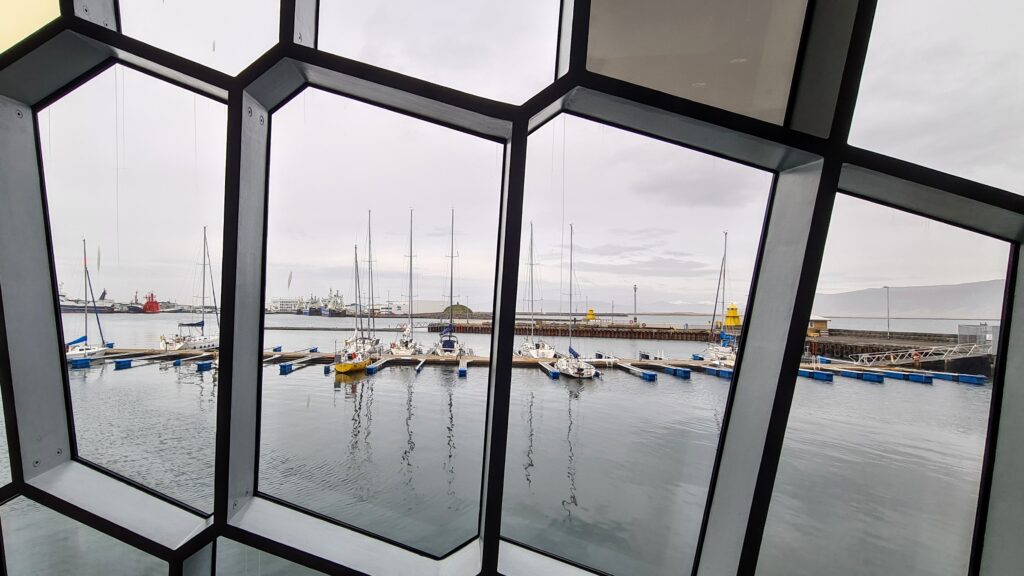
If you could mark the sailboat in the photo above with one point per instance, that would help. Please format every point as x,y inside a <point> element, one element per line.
<point>723,351</point>
<point>357,354</point>
<point>570,365</point>
<point>532,347</point>
<point>80,348</point>
<point>448,344</point>
<point>406,345</point>
<point>192,335</point>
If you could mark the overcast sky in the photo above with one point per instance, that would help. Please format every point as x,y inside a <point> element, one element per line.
<point>137,166</point>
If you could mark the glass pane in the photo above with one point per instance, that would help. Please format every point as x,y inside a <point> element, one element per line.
<point>38,540</point>
<point>944,86</point>
<point>499,50</point>
<point>5,453</point>
<point>627,240</point>
<point>23,18</point>
<point>881,464</point>
<point>397,451</point>
<point>734,54</point>
<point>236,559</point>
<point>134,171</point>
<point>227,35</point>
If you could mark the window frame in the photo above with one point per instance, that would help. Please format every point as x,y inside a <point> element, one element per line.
<point>808,154</point>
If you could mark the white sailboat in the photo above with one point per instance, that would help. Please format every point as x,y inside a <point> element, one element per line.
<point>80,347</point>
<point>406,344</point>
<point>570,365</point>
<point>193,335</point>
<point>721,352</point>
<point>533,347</point>
<point>448,343</point>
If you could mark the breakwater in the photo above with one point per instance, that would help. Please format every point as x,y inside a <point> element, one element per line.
<point>582,330</point>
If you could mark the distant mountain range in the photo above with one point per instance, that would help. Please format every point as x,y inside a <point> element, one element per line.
<point>969,300</point>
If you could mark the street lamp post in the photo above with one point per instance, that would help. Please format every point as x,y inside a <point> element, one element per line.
<point>634,303</point>
<point>888,333</point>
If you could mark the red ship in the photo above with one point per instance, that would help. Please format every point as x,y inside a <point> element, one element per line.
<point>151,306</point>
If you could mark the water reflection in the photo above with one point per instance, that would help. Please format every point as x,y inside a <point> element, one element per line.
<point>410,445</point>
<point>450,462</point>
<point>575,390</point>
<point>528,463</point>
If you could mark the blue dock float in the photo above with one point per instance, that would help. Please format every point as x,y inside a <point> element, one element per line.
<point>204,366</point>
<point>549,369</point>
<point>895,375</point>
<point>276,349</point>
<point>976,379</point>
<point>327,369</point>
<point>463,369</point>
<point>376,366</point>
<point>711,371</point>
<point>645,375</point>
<point>850,374</point>
<point>79,363</point>
<point>683,373</point>
<point>725,373</point>
<point>872,376</point>
<point>820,375</point>
<point>920,378</point>
<point>949,376</point>
<point>286,368</point>
<point>824,360</point>
<point>122,364</point>
<point>803,373</point>
<point>177,362</point>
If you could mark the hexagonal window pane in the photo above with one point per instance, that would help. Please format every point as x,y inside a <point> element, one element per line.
<point>499,50</point>
<point>630,315</point>
<point>392,449</point>
<point>881,463</point>
<point>134,173</point>
<point>734,54</point>
<point>226,35</point>
<point>38,540</point>
<point>942,87</point>
<point>21,19</point>
<point>237,559</point>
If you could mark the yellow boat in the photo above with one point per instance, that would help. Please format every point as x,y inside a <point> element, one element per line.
<point>351,363</point>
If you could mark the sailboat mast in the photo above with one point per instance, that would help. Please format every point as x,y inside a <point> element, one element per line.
<point>359,307</point>
<point>202,299</point>
<point>410,271</point>
<point>369,269</point>
<point>533,319</point>
<point>85,291</point>
<point>571,319</point>
<point>451,277</point>
<point>725,252</point>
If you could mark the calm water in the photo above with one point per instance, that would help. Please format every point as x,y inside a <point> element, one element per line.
<point>879,479</point>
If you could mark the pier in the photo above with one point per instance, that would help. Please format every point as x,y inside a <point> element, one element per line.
<point>646,367</point>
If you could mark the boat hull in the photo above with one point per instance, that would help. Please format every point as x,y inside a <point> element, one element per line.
<point>351,366</point>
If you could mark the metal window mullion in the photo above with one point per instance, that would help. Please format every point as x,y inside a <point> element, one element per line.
<point>34,363</point>
<point>759,401</point>
<point>998,546</point>
<point>244,228</point>
<point>502,345</point>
